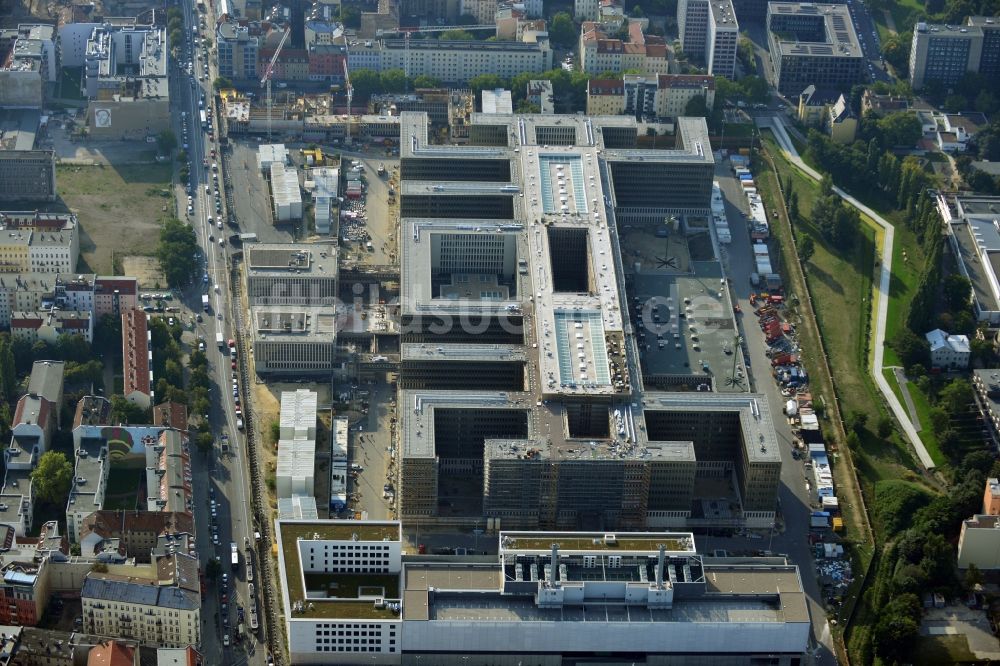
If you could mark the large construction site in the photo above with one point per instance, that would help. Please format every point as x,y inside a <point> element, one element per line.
<point>568,353</point>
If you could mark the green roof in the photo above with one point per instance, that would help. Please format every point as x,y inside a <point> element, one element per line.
<point>651,543</point>
<point>339,607</point>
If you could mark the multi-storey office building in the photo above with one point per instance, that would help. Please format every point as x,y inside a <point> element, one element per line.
<point>298,339</point>
<point>547,598</point>
<point>506,245</point>
<point>29,61</point>
<point>709,34</point>
<point>288,274</point>
<point>945,53</point>
<point>813,44</point>
<point>238,51</point>
<point>27,175</point>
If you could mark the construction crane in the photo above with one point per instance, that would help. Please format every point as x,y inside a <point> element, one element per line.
<point>406,32</point>
<point>265,81</point>
<point>349,87</point>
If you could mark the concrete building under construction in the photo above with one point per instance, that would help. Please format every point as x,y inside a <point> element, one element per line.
<point>521,391</point>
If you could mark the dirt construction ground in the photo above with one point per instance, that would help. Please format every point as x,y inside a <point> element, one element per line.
<point>119,209</point>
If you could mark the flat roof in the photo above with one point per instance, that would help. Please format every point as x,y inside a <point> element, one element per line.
<point>620,542</point>
<point>979,251</point>
<point>417,420</point>
<point>299,260</point>
<point>839,37</point>
<point>759,439</point>
<point>702,345</point>
<point>423,351</point>
<point>290,532</point>
<point>293,323</point>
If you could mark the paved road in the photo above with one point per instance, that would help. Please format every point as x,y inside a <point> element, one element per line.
<point>222,478</point>
<point>885,276</point>
<point>795,499</point>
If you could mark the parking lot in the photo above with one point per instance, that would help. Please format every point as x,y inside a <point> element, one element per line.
<point>374,218</point>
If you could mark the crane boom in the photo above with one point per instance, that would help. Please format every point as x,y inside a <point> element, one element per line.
<point>265,80</point>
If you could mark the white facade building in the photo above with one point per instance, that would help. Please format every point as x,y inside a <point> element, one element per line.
<point>949,352</point>
<point>326,181</point>
<point>285,192</point>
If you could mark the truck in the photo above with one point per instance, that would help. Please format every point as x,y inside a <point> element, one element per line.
<point>234,555</point>
<point>220,340</point>
<point>204,302</point>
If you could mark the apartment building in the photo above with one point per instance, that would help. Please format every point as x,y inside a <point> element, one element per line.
<point>449,610</point>
<point>945,53</point>
<point>459,61</point>
<point>137,358</point>
<point>36,416</point>
<point>237,51</point>
<point>297,444</point>
<point>813,44</point>
<point>541,95</point>
<point>605,97</point>
<point>49,325</point>
<point>29,61</point>
<point>484,11</point>
<point>290,274</point>
<point>161,610</point>
<point>27,250</point>
<point>99,295</point>
<point>979,540</point>
<point>27,175</point>
<point>709,34</point>
<point>600,52</point>
<point>132,534</point>
<point>650,98</point>
<point>25,575</point>
<point>126,80</point>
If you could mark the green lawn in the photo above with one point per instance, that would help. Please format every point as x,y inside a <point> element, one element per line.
<point>933,650</point>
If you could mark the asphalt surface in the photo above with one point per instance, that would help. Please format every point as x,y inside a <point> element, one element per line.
<point>794,497</point>
<point>218,477</point>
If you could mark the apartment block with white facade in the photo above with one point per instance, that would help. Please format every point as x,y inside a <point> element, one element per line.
<point>459,61</point>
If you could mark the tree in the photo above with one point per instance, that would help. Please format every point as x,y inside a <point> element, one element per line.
<point>466,19</point>
<point>222,82</point>
<point>897,629</point>
<point>696,107</point>
<point>213,569</point>
<point>807,248</point>
<point>125,411</point>
<point>956,396</point>
<point>8,371</point>
<point>366,82</point>
<point>204,441</point>
<point>562,30</point>
<point>957,290</point>
<point>900,128</point>
<point>457,35</point>
<point>424,81</point>
<point>393,81</point>
<point>884,427</point>
<point>166,141</point>
<point>911,348</point>
<point>350,17</point>
<point>51,479</point>
<point>177,252</point>
<point>485,82</point>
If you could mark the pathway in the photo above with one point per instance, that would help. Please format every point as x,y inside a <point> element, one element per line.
<point>890,22</point>
<point>904,388</point>
<point>777,125</point>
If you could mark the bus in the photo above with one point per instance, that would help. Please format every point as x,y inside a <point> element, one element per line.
<point>235,553</point>
<point>204,119</point>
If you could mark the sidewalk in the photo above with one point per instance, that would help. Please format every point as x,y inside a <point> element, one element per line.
<point>777,125</point>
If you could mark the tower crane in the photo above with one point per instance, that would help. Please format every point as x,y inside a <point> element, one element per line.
<point>265,80</point>
<point>406,32</point>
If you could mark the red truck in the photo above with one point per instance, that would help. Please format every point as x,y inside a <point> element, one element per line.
<point>784,359</point>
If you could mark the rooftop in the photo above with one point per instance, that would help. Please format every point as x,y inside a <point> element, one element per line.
<point>626,542</point>
<point>271,259</point>
<point>139,591</point>
<point>792,31</point>
<point>290,532</point>
<point>293,323</point>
